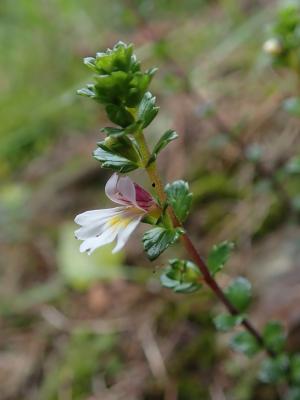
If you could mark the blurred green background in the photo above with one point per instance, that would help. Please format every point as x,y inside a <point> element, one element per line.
<point>101,327</point>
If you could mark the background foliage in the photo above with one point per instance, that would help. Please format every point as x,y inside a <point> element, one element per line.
<point>101,327</point>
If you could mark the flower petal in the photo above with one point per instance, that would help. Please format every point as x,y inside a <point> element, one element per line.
<point>88,231</point>
<point>124,234</point>
<point>111,186</point>
<point>144,199</point>
<point>93,243</point>
<point>89,217</point>
<point>126,189</point>
<point>120,190</point>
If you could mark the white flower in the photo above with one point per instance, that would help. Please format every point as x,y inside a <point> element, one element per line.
<point>100,227</point>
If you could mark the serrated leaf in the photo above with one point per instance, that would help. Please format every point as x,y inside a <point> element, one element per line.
<point>245,343</point>
<point>225,322</point>
<point>167,282</point>
<point>86,92</point>
<point>218,256</point>
<point>119,58</point>
<point>239,293</point>
<point>292,106</point>
<point>114,161</point>
<point>147,110</point>
<point>90,62</point>
<point>166,138</point>
<point>158,239</point>
<point>274,336</point>
<point>119,115</point>
<point>179,198</point>
<point>137,88</point>
<point>151,71</point>
<point>186,288</point>
<point>123,146</point>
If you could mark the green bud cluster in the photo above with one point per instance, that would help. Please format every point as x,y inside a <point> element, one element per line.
<point>119,84</point>
<point>122,88</point>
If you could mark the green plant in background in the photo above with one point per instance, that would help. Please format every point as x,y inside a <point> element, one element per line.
<point>283,47</point>
<point>122,88</point>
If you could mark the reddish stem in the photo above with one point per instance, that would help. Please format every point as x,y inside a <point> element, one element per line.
<point>210,281</point>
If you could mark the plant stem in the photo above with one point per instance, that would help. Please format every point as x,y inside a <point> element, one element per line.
<point>189,246</point>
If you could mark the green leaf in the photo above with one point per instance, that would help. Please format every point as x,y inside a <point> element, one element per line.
<point>273,370</point>
<point>137,88</point>
<point>112,89</point>
<point>147,110</point>
<point>87,92</point>
<point>295,369</point>
<point>166,138</point>
<point>119,115</point>
<point>90,62</point>
<point>182,276</point>
<point>159,239</point>
<point>239,293</point>
<point>121,145</point>
<point>179,198</point>
<point>218,256</point>
<point>151,71</point>
<point>113,131</point>
<point>114,161</point>
<point>245,343</point>
<point>292,106</point>
<point>225,322</point>
<point>274,336</point>
<point>119,58</point>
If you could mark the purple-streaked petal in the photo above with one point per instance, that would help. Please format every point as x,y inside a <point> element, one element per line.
<point>120,190</point>
<point>126,189</point>
<point>143,199</point>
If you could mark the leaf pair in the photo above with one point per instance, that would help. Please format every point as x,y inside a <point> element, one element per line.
<point>118,154</point>
<point>181,276</point>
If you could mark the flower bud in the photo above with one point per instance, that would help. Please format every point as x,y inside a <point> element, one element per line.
<point>272,47</point>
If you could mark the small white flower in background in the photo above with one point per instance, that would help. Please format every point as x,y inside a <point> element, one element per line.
<point>272,47</point>
<point>100,227</point>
